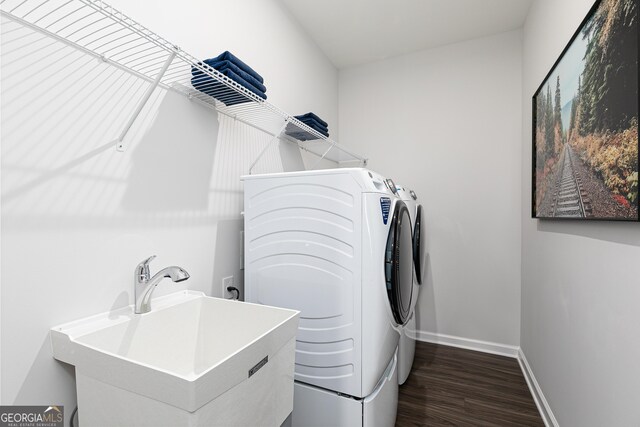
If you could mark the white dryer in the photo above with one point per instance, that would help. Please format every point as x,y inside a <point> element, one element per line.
<point>335,244</point>
<point>407,344</point>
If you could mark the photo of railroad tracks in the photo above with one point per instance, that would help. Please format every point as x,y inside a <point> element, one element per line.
<point>585,118</point>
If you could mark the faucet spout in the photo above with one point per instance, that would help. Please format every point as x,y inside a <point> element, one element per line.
<point>145,285</point>
<point>176,274</point>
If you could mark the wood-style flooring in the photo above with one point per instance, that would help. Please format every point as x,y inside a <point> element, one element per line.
<point>449,386</point>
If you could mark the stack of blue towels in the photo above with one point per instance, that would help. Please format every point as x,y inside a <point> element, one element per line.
<point>311,120</point>
<point>232,67</point>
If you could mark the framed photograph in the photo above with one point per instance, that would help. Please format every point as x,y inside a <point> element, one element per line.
<point>585,121</point>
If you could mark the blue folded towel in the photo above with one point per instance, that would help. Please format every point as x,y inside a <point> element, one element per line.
<point>228,56</point>
<point>312,116</point>
<point>314,124</point>
<point>324,132</point>
<point>218,90</point>
<point>228,65</point>
<point>302,135</point>
<point>236,78</point>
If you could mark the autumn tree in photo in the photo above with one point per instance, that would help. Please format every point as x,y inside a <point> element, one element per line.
<point>604,118</point>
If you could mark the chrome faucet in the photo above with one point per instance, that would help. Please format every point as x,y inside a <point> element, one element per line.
<point>144,284</point>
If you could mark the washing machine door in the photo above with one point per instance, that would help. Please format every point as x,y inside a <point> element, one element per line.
<point>399,264</point>
<point>418,245</point>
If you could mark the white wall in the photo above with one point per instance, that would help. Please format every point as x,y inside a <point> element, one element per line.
<point>77,216</point>
<point>580,286</point>
<point>446,122</point>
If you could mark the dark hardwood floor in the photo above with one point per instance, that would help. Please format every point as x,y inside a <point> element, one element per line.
<point>451,386</point>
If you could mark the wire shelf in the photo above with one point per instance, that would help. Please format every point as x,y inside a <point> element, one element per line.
<point>98,29</point>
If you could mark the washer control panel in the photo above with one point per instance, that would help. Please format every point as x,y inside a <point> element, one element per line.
<point>381,183</point>
<point>391,185</point>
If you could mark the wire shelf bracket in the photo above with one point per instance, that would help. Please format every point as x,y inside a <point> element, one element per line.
<point>276,138</point>
<point>120,146</point>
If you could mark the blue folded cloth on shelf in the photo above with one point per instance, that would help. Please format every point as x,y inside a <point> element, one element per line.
<point>208,85</point>
<point>311,120</point>
<point>310,115</point>
<point>314,124</point>
<point>228,56</point>
<point>228,65</point>
<point>323,132</point>
<point>302,135</point>
<point>236,78</point>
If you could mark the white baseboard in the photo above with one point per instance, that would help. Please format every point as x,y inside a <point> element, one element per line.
<point>469,344</point>
<point>541,402</point>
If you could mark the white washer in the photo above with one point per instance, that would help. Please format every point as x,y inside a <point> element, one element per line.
<point>407,344</point>
<point>336,245</point>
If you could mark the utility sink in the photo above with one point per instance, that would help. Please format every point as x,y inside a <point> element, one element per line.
<point>192,360</point>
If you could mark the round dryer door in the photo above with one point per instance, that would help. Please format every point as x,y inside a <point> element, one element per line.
<point>418,245</point>
<point>399,264</point>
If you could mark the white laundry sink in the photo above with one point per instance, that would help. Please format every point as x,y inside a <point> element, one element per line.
<point>192,360</point>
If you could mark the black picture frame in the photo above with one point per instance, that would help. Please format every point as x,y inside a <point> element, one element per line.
<point>571,171</point>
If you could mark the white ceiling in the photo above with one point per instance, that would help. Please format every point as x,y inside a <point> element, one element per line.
<point>352,32</point>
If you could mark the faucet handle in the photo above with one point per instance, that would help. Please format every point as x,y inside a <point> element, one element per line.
<point>142,270</point>
<point>147,261</point>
